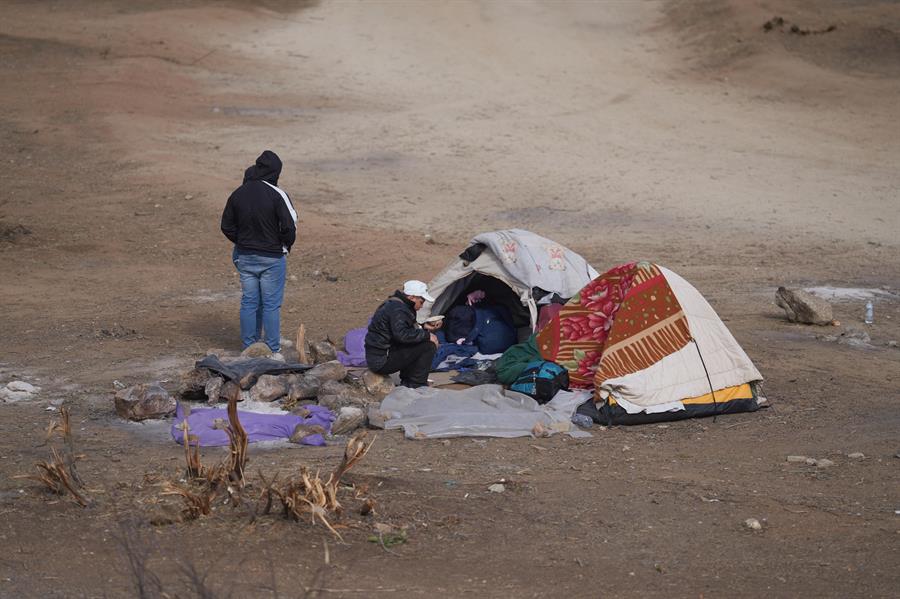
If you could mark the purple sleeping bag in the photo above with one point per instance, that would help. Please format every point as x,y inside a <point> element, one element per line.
<point>259,427</point>
<point>355,344</point>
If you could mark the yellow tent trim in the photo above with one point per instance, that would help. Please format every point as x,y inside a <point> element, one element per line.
<point>722,396</point>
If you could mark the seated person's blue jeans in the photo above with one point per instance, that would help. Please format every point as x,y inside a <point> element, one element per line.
<point>262,286</point>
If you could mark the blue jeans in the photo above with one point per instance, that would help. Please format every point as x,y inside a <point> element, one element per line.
<point>262,284</point>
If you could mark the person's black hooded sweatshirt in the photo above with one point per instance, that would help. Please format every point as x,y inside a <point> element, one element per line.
<point>259,217</point>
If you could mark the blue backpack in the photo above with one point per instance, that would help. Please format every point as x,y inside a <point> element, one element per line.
<point>541,380</point>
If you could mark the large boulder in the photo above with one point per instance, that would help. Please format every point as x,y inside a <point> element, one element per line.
<point>142,402</point>
<point>803,307</point>
<point>270,387</point>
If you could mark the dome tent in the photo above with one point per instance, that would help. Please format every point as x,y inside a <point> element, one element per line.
<point>515,267</point>
<point>651,347</point>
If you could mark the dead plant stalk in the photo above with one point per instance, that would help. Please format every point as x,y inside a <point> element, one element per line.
<point>59,474</point>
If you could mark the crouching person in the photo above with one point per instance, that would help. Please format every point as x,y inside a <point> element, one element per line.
<point>395,341</point>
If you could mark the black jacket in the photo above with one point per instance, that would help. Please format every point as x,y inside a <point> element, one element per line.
<point>394,323</point>
<point>257,219</point>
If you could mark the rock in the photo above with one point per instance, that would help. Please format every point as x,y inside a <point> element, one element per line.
<point>377,385</point>
<point>303,410</point>
<point>18,391</point>
<point>796,458</point>
<point>497,488</point>
<point>375,416</point>
<point>322,351</point>
<point>304,430</point>
<point>13,396</point>
<point>429,239</point>
<point>231,389</point>
<point>892,343</point>
<point>804,307</point>
<point>303,387</point>
<point>823,463</point>
<point>328,371</point>
<point>192,386</point>
<point>270,387</point>
<point>291,355</point>
<point>349,394</point>
<point>248,380</point>
<point>856,455</point>
<point>752,524</point>
<point>142,402</point>
<point>22,386</point>
<point>810,461</point>
<point>852,336</point>
<point>257,350</point>
<point>333,402</point>
<point>213,389</point>
<point>349,419</point>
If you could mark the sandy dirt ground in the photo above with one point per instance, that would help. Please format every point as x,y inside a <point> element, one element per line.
<point>682,132</point>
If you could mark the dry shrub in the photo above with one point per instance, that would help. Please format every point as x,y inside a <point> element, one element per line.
<point>309,494</point>
<point>196,502</point>
<point>305,495</point>
<point>60,475</point>
<point>205,484</point>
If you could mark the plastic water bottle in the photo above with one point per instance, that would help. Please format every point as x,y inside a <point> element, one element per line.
<point>870,315</point>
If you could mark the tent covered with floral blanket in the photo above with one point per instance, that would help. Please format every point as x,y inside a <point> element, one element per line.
<point>651,347</point>
<point>517,268</point>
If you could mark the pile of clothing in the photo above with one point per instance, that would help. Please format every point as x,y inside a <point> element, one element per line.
<point>474,332</point>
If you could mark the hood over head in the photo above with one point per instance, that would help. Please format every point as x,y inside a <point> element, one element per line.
<point>267,168</point>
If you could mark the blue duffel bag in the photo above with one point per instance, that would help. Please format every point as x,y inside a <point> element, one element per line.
<point>541,380</point>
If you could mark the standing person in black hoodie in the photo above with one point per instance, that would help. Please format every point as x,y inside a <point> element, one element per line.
<point>262,223</point>
<point>395,342</point>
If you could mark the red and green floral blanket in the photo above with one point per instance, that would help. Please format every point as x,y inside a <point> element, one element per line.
<point>621,322</point>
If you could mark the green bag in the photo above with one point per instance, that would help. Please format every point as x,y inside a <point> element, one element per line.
<point>514,360</point>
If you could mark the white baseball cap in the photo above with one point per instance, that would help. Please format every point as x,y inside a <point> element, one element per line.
<point>417,288</point>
